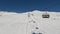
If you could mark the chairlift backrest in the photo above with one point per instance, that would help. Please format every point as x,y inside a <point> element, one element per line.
<point>45,15</point>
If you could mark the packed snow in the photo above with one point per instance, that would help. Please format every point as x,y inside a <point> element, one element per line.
<point>29,23</point>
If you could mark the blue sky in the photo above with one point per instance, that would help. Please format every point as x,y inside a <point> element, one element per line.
<point>29,5</point>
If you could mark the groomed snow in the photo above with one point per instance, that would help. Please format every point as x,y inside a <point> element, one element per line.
<point>26,23</point>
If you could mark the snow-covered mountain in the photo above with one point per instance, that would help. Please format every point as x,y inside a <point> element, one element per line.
<point>35,22</point>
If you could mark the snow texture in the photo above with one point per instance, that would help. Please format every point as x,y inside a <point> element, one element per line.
<point>29,22</point>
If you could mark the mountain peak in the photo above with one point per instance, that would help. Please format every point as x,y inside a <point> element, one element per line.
<point>35,11</point>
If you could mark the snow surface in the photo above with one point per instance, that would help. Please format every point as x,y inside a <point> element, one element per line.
<point>26,23</point>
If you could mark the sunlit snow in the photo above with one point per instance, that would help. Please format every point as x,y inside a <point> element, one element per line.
<point>29,23</point>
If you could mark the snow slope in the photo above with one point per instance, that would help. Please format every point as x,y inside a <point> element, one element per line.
<point>29,22</point>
